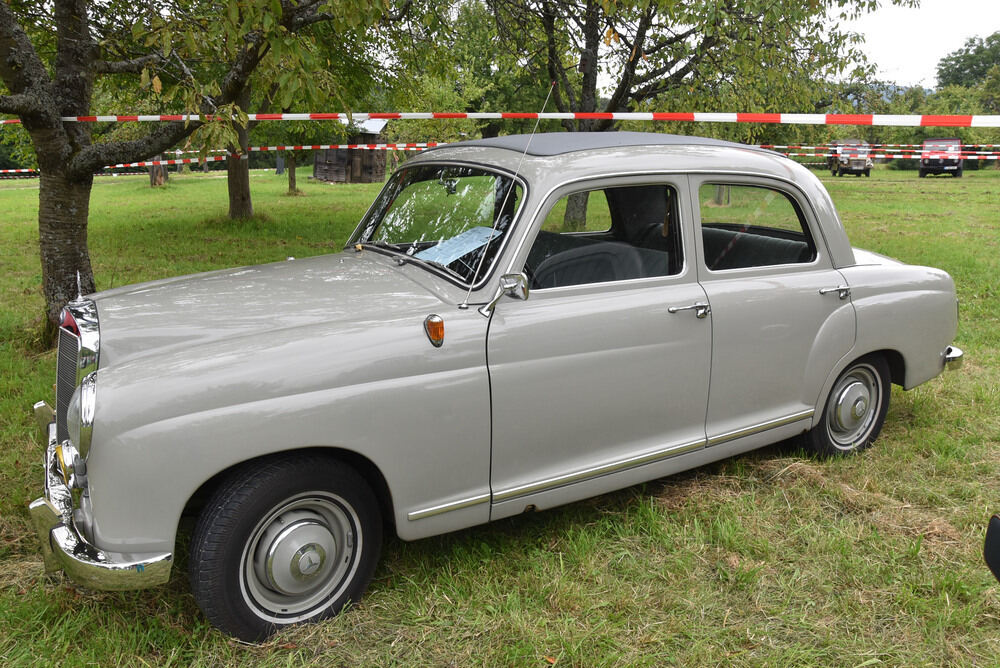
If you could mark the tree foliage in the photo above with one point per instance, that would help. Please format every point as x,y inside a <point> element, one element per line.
<point>645,55</point>
<point>970,65</point>
<point>60,57</point>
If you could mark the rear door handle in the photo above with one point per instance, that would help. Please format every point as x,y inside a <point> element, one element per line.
<point>843,291</point>
<point>701,309</point>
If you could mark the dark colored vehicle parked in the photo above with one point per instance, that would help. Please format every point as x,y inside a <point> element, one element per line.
<point>850,156</point>
<point>991,548</point>
<point>941,156</point>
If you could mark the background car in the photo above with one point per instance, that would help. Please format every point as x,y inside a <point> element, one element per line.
<point>941,156</point>
<point>851,156</point>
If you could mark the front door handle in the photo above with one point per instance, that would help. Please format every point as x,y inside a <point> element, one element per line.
<point>843,291</point>
<point>701,309</point>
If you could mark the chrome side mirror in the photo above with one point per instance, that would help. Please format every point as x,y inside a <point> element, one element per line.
<point>511,285</point>
<point>515,285</point>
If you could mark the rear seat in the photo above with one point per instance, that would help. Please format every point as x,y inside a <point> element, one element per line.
<point>728,249</point>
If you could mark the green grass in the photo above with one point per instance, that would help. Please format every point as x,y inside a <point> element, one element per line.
<point>773,558</point>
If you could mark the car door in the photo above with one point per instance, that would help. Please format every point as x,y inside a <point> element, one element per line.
<point>603,371</point>
<point>781,313</point>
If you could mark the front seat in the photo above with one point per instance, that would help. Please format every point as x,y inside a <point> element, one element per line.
<point>593,263</point>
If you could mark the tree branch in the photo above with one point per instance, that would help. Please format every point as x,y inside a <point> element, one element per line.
<point>93,157</point>
<point>20,67</point>
<point>621,95</point>
<point>19,104</point>
<point>133,66</point>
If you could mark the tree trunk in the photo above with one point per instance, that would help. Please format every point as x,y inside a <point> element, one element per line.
<point>63,207</point>
<point>240,205</point>
<point>290,165</point>
<point>238,168</point>
<point>575,218</point>
<point>158,173</point>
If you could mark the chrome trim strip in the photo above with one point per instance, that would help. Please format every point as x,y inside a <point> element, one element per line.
<point>84,311</point>
<point>596,471</point>
<point>757,428</point>
<point>88,401</point>
<point>448,507</point>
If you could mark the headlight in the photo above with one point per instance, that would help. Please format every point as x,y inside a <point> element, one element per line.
<point>80,414</point>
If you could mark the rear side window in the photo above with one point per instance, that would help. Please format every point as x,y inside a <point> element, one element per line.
<point>607,234</point>
<point>751,226</point>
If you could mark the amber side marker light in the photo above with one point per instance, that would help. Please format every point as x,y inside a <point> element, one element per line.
<point>434,326</point>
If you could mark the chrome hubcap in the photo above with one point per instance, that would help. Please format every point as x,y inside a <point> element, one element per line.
<point>853,407</point>
<point>300,556</point>
<point>291,553</point>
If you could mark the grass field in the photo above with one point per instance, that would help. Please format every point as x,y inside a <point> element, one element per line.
<point>773,558</point>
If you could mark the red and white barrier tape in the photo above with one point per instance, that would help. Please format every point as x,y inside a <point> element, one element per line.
<point>888,156</point>
<point>925,120</point>
<point>178,161</point>
<point>363,147</point>
<point>903,146</point>
<point>16,171</point>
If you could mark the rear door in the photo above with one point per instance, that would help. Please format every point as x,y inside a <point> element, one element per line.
<point>780,320</point>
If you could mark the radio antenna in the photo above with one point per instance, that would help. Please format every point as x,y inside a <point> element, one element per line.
<point>503,205</point>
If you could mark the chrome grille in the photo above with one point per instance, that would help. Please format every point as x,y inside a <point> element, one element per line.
<point>66,371</point>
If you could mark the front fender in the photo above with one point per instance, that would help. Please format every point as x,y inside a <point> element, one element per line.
<point>422,417</point>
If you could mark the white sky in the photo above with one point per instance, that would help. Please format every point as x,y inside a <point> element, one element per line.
<point>907,44</point>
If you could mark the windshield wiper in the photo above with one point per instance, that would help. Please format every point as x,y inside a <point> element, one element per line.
<point>380,245</point>
<point>403,259</point>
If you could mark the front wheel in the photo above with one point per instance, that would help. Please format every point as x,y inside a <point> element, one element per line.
<point>855,409</point>
<point>284,541</point>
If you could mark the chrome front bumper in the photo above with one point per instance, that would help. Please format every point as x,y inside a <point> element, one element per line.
<point>64,546</point>
<point>953,358</point>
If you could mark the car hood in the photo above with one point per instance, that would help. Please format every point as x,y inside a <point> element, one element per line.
<point>352,288</point>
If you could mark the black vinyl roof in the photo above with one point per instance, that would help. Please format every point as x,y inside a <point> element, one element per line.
<point>557,143</point>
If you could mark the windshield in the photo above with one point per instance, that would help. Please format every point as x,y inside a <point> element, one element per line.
<point>942,145</point>
<point>853,148</point>
<point>449,217</point>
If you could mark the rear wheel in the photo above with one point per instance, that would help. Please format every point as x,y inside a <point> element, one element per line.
<point>855,408</point>
<point>922,173</point>
<point>282,542</point>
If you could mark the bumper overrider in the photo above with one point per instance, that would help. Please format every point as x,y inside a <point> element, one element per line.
<point>64,546</point>
<point>953,357</point>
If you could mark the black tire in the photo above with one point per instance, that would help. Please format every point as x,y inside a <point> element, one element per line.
<point>868,173</point>
<point>854,410</point>
<point>922,173</point>
<point>299,508</point>
<point>958,173</point>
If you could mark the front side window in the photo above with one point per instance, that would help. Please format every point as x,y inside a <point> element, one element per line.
<point>751,226</point>
<point>450,218</point>
<point>607,234</point>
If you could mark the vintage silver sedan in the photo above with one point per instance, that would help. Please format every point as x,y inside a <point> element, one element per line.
<point>516,323</point>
